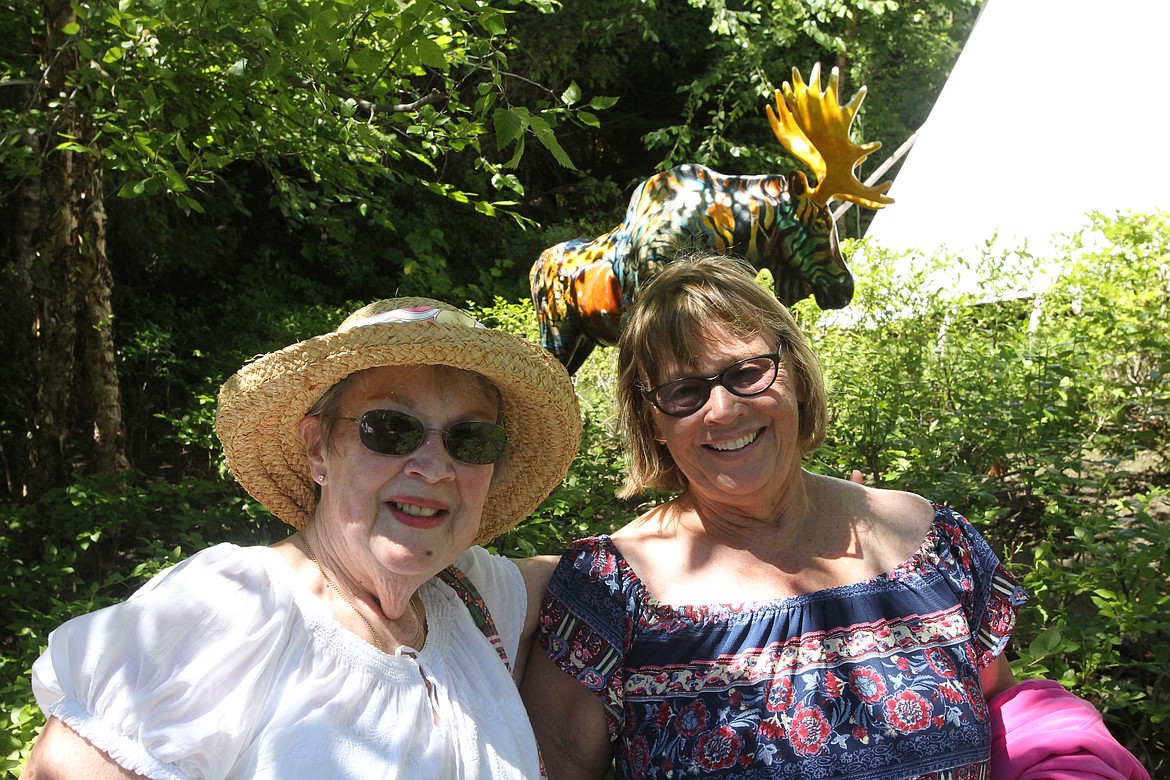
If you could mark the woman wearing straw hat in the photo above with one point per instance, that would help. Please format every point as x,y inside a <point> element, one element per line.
<point>377,641</point>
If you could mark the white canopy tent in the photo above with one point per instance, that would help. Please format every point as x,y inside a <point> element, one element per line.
<point>1055,108</point>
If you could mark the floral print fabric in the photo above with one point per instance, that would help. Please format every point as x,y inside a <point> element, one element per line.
<point>873,681</point>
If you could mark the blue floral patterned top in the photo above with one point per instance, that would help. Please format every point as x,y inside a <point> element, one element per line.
<point>873,681</point>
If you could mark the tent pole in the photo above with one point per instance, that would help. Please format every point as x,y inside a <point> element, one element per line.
<point>881,169</point>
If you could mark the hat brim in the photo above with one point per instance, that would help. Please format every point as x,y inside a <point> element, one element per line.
<point>261,407</point>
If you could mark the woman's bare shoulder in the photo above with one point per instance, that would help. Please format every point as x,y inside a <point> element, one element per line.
<point>60,752</point>
<point>901,504</point>
<point>901,516</point>
<point>892,523</point>
<point>655,524</point>
<point>886,506</point>
<point>536,571</point>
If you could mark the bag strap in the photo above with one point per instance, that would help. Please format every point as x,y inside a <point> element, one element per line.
<point>469,594</point>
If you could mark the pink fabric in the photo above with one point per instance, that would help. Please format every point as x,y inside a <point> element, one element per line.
<point>1041,731</point>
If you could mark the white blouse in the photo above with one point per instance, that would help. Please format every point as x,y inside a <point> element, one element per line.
<point>225,666</point>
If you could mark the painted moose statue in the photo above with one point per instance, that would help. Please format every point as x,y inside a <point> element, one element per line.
<point>776,222</point>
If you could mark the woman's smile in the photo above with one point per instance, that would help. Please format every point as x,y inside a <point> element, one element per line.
<point>417,516</point>
<point>735,444</point>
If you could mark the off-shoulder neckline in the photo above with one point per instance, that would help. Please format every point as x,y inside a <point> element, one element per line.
<point>881,581</point>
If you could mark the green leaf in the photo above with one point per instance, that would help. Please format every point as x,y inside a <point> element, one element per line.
<point>430,54</point>
<point>1046,643</point>
<point>509,124</point>
<point>368,60</point>
<point>175,182</point>
<point>132,189</point>
<point>571,95</point>
<point>544,134</point>
<point>189,204</point>
<point>492,21</point>
<point>519,153</point>
<point>72,146</point>
<point>273,66</point>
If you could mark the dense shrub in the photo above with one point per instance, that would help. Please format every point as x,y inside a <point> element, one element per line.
<point>91,545</point>
<point>1045,420</point>
<point>1042,418</point>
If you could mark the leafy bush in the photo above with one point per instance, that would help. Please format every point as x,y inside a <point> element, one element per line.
<point>1044,419</point>
<point>585,502</point>
<point>88,546</point>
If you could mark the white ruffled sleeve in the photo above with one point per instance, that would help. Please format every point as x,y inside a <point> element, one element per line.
<point>502,586</point>
<point>172,682</point>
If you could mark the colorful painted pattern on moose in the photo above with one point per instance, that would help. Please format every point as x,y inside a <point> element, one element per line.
<point>777,222</point>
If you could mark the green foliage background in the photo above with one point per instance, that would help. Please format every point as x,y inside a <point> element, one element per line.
<point>1043,419</point>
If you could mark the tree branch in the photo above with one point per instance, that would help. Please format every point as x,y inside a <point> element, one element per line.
<point>370,107</point>
<point>434,96</point>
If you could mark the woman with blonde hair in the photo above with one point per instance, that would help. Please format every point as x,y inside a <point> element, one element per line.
<point>767,621</point>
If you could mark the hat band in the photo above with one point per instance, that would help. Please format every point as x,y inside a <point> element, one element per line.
<point>417,314</point>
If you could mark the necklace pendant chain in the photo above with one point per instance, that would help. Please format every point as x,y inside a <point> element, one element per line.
<point>369,626</point>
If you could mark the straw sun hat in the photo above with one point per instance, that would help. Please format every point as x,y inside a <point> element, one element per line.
<point>261,406</point>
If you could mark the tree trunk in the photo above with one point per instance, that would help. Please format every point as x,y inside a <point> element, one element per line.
<point>53,297</point>
<point>23,246</point>
<point>99,377</point>
<point>70,285</point>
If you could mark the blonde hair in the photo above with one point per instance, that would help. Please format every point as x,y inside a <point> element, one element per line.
<point>670,324</point>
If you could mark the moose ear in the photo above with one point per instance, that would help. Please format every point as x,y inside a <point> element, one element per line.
<point>798,184</point>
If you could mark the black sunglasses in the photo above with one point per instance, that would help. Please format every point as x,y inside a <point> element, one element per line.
<point>747,377</point>
<point>388,432</point>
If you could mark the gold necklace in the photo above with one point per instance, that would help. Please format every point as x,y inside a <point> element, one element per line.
<point>419,623</point>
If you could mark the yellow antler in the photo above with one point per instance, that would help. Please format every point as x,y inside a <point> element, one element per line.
<point>814,127</point>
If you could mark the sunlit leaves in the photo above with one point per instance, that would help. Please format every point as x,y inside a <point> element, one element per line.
<point>902,51</point>
<point>513,124</point>
<point>509,125</point>
<point>342,91</point>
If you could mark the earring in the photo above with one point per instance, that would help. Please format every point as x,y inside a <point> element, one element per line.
<point>321,478</point>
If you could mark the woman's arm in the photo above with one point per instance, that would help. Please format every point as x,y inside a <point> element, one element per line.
<point>996,677</point>
<point>536,572</point>
<point>568,719</point>
<point>62,753</point>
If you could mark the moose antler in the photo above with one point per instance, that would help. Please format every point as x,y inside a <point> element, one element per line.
<point>814,127</point>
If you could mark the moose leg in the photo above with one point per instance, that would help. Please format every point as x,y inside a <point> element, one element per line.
<point>579,354</point>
